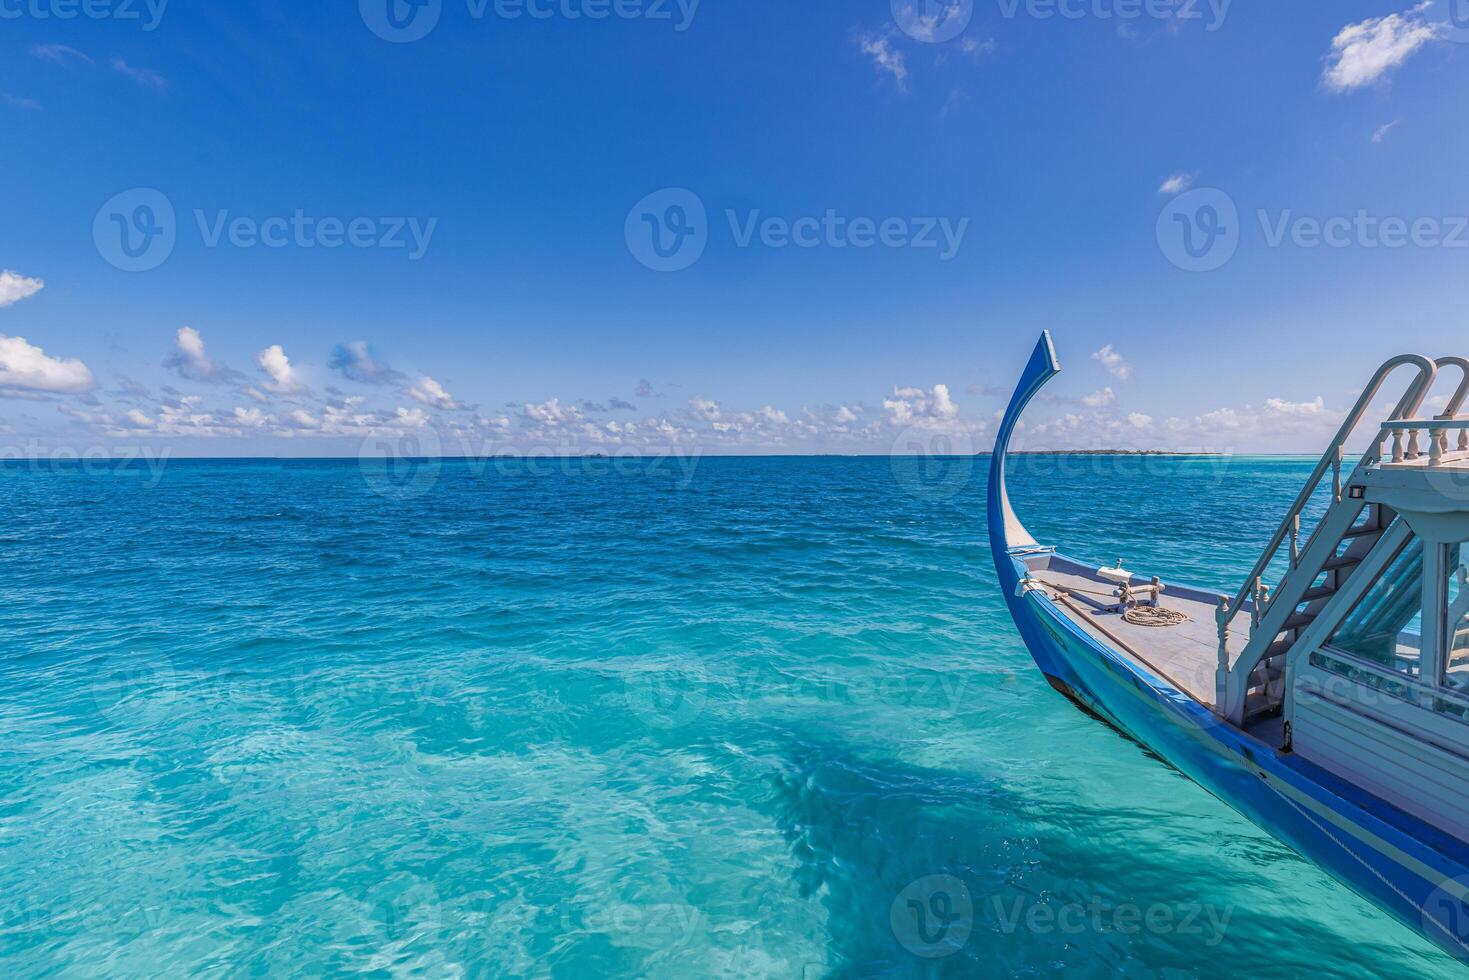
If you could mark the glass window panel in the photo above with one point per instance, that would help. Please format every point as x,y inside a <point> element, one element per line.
<point>1456,664</point>
<point>1385,625</point>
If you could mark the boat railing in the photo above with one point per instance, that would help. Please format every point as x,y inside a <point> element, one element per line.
<point>1407,446</point>
<point>1405,433</point>
<point>1333,462</point>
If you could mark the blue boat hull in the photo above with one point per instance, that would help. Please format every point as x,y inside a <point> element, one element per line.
<point>1407,867</point>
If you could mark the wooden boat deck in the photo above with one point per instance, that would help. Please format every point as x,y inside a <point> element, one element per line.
<point>1186,654</point>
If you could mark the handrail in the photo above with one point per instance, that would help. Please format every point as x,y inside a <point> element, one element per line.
<point>1411,401</point>
<point>1462,393</point>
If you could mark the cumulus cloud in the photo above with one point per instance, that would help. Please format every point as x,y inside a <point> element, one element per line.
<point>15,287</point>
<point>277,366</point>
<point>1099,398</point>
<point>430,392</point>
<point>1114,363</point>
<point>357,361</point>
<point>911,406</point>
<point>1280,406</point>
<point>191,360</point>
<point>25,367</point>
<point>1364,52</point>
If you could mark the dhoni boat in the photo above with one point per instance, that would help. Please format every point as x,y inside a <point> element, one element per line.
<point>1327,698</point>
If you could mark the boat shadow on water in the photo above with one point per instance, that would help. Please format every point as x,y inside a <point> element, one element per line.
<point>925,872</point>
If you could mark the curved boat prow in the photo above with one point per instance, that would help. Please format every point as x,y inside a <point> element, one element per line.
<point>1006,531</point>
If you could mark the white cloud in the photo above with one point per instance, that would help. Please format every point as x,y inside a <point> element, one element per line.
<point>910,406</point>
<point>277,366</point>
<point>1365,52</point>
<point>1099,398</point>
<point>59,53</point>
<point>705,409</point>
<point>978,49</point>
<point>1382,131</point>
<point>1115,364</point>
<point>1176,184</point>
<point>143,76</point>
<point>15,287</point>
<point>551,414</point>
<point>430,392</point>
<point>1139,421</point>
<point>885,59</point>
<point>1280,406</point>
<point>191,360</point>
<point>26,367</point>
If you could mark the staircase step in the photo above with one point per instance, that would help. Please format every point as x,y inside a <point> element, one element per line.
<point>1297,620</point>
<point>1279,648</point>
<point>1362,532</point>
<point>1341,561</point>
<point>1320,592</point>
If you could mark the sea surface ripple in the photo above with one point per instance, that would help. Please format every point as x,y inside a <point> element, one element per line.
<point>585,718</point>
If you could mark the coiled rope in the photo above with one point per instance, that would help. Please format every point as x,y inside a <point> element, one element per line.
<point>1153,616</point>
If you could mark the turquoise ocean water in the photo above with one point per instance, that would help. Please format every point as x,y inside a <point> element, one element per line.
<point>585,718</point>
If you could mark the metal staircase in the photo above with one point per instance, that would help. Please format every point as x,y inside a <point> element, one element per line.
<point>1251,683</point>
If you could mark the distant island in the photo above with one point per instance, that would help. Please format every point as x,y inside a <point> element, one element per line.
<point>1106,452</point>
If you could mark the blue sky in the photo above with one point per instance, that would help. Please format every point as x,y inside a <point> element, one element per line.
<point>959,177</point>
